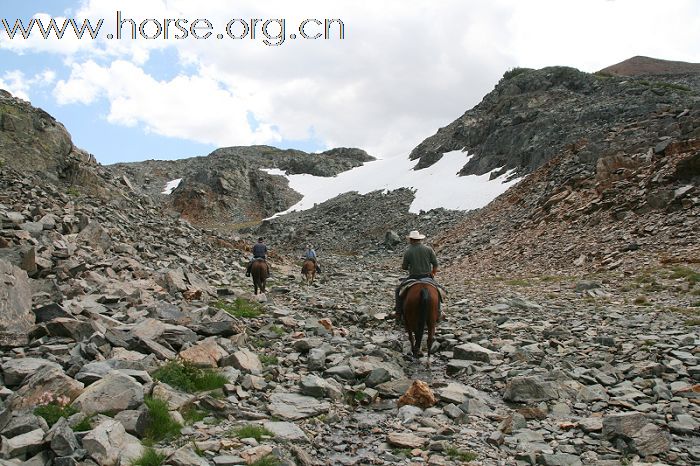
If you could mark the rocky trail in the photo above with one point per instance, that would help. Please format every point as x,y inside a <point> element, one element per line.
<point>130,335</point>
<point>544,370</point>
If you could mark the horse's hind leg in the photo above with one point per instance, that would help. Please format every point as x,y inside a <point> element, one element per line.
<point>431,338</point>
<point>412,341</point>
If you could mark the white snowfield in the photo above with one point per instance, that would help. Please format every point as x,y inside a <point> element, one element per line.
<point>171,185</point>
<point>435,186</point>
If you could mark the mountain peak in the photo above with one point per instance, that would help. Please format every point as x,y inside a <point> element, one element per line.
<point>641,65</point>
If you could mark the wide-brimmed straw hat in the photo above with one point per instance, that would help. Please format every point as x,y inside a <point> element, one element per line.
<point>415,235</point>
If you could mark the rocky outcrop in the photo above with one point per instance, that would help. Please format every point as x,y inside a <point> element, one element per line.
<point>533,115</point>
<point>33,141</point>
<point>230,184</point>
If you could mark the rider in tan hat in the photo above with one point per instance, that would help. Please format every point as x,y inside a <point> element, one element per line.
<point>420,261</point>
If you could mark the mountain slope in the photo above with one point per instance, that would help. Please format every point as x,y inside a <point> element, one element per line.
<point>647,66</point>
<point>533,115</point>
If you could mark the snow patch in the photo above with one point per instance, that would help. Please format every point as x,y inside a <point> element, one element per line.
<point>171,185</point>
<point>435,186</point>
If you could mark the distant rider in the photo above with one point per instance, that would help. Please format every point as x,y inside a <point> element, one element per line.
<point>259,252</point>
<point>311,255</point>
<point>420,261</point>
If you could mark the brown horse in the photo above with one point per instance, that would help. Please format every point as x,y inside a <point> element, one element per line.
<point>260,272</point>
<point>421,307</point>
<point>308,271</point>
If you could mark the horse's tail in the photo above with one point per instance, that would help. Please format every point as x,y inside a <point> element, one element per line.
<point>422,315</point>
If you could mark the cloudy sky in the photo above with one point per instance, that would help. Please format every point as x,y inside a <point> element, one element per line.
<point>403,69</point>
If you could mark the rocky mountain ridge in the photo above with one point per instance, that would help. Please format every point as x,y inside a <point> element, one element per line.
<point>533,115</point>
<point>230,186</point>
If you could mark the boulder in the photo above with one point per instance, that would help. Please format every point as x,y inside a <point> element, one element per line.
<point>16,316</point>
<point>419,394</point>
<point>115,392</point>
<point>529,389</point>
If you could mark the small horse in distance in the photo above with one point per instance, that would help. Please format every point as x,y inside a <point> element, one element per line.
<point>260,272</point>
<point>308,271</point>
<point>421,308</point>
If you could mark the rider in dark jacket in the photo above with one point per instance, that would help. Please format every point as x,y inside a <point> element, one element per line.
<point>420,261</point>
<point>259,252</point>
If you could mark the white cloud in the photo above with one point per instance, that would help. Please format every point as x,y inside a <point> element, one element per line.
<point>403,70</point>
<point>19,85</point>
<point>190,107</point>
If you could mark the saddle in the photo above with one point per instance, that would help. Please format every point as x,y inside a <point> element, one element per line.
<point>442,292</point>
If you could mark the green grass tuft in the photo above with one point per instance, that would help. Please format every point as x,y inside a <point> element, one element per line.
<point>691,276</point>
<point>513,72</point>
<point>191,414</point>
<point>73,191</point>
<point>52,412</point>
<point>518,282</point>
<point>268,460</point>
<point>150,457</point>
<point>239,308</point>
<point>252,431</point>
<point>161,425</point>
<point>268,360</point>
<point>188,377</point>
<point>457,454</point>
<point>84,425</point>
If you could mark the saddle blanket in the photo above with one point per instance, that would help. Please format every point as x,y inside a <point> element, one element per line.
<point>430,281</point>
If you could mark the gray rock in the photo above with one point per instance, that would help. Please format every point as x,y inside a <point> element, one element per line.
<point>528,389</point>
<point>624,425</point>
<point>316,359</point>
<point>473,352</point>
<point>244,360</point>
<point>115,392</point>
<point>228,460</point>
<point>650,440</point>
<point>22,445</point>
<point>377,376</point>
<point>392,239</point>
<point>62,438</point>
<point>46,379</point>
<point>33,228</point>
<point>291,406</point>
<point>16,316</point>
<point>561,459</point>
<point>186,456</point>
<point>474,407</point>
<point>16,370</point>
<point>313,385</point>
<point>109,444</point>
<point>21,424</point>
<point>95,236</point>
<point>286,432</point>
<point>134,421</point>
<point>343,372</point>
